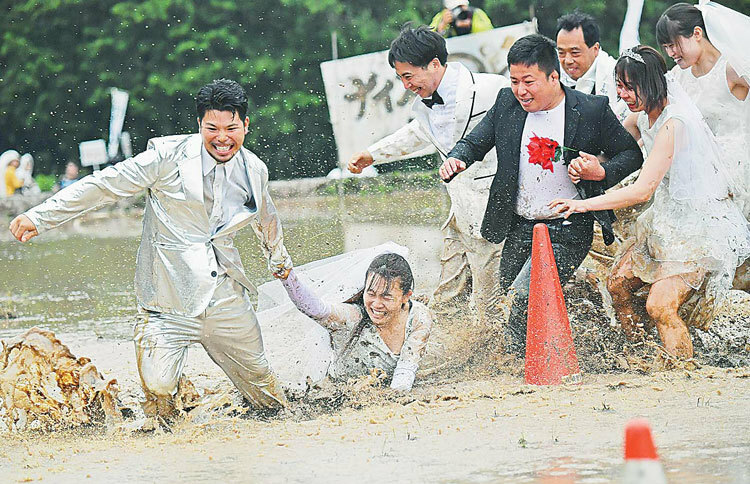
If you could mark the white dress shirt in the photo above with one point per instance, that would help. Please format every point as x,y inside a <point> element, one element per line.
<point>443,116</point>
<point>236,190</point>
<point>538,186</point>
<point>235,193</point>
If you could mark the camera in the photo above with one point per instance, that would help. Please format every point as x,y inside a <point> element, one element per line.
<point>460,14</point>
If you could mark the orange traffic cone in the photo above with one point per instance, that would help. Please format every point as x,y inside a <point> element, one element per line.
<point>642,465</point>
<point>550,353</point>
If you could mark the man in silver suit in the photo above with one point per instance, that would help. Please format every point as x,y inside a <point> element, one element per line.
<point>190,284</point>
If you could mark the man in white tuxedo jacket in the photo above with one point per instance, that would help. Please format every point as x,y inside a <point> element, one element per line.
<point>451,100</point>
<point>586,67</point>
<point>189,282</point>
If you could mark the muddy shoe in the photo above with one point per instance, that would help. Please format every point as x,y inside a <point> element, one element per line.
<point>159,406</point>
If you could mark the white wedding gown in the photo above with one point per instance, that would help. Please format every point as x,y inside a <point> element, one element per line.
<point>692,228</point>
<point>298,348</point>
<point>729,120</point>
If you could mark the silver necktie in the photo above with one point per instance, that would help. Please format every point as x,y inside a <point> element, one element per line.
<point>218,188</point>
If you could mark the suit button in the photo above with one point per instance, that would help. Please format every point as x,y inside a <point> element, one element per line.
<point>213,273</point>
<point>208,244</point>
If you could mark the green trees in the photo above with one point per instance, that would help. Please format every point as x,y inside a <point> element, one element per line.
<point>58,59</point>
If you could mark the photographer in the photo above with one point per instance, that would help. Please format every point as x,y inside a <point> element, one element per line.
<point>458,18</point>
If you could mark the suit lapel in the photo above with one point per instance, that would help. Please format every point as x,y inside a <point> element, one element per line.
<point>465,102</point>
<point>191,169</point>
<point>572,116</point>
<point>516,121</point>
<point>191,173</point>
<point>253,176</point>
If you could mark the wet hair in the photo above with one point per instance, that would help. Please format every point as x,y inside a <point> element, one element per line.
<point>417,47</point>
<point>221,95</point>
<point>645,78</point>
<point>584,21</point>
<point>537,50</point>
<point>388,267</point>
<point>677,21</point>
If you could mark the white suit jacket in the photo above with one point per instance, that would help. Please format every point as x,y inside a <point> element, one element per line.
<point>475,95</point>
<point>177,263</point>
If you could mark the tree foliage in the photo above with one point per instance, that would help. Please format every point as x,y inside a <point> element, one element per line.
<point>58,59</point>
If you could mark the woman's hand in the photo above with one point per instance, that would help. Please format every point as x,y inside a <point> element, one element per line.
<point>568,207</point>
<point>282,273</point>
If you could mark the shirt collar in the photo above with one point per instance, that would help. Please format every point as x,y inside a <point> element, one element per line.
<point>447,86</point>
<point>209,163</point>
<point>590,75</point>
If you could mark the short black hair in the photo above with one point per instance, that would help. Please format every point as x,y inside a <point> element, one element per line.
<point>417,47</point>
<point>679,20</point>
<point>586,22</point>
<point>535,49</point>
<point>647,79</point>
<point>221,95</point>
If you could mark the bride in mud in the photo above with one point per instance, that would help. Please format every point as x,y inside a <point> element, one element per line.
<point>382,328</point>
<point>693,236</point>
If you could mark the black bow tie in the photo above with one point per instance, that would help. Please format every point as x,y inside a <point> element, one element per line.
<point>434,99</point>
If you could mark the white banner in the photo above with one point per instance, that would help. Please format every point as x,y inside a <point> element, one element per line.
<point>366,101</point>
<point>116,120</point>
<point>93,153</point>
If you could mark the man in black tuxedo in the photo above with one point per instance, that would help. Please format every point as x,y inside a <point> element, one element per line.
<point>537,111</point>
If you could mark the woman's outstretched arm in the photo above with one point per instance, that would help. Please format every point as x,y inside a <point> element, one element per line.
<point>652,172</point>
<point>310,304</point>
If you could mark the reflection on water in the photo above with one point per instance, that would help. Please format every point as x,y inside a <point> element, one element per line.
<point>79,277</point>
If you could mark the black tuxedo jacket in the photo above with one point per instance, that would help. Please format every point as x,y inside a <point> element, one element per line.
<point>590,126</point>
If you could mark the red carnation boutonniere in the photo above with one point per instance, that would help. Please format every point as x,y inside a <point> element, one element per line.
<point>545,152</point>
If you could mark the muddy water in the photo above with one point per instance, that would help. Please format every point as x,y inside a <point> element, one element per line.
<point>471,427</point>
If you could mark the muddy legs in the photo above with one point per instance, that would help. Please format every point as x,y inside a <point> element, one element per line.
<point>664,300</point>
<point>622,285</point>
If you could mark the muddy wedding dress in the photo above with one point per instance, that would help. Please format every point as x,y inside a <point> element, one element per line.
<point>300,350</point>
<point>692,228</point>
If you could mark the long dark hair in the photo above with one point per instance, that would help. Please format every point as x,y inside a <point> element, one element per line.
<point>677,21</point>
<point>387,267</point>
<point>645,78</point>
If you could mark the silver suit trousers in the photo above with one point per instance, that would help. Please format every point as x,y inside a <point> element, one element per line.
<point>228,330</point>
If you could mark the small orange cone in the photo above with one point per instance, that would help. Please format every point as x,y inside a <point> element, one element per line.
<point>642,464</point>
<point>550,353</point>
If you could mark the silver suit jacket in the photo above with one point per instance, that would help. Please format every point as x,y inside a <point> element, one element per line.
<point>475,95</point>
<point>178,256</point>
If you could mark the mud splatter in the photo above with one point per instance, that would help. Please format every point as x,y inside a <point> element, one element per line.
<point>43,386</point>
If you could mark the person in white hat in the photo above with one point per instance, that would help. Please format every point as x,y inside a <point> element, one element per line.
<point>458,18</point>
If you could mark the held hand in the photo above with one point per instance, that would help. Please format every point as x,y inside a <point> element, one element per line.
<point>568,207</point>
<point>282,273</point>
<point>360,161</point>
<point>586,167</point>
<point>450,168</point>
<point>23,228</point>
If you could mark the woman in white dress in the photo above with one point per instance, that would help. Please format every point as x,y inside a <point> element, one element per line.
<point>381,329</point>
<point>709,43</point>
<point>693,236</point>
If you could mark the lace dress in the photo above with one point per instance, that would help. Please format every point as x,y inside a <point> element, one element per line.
<point>692,229</point>
<point>729,120</point>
